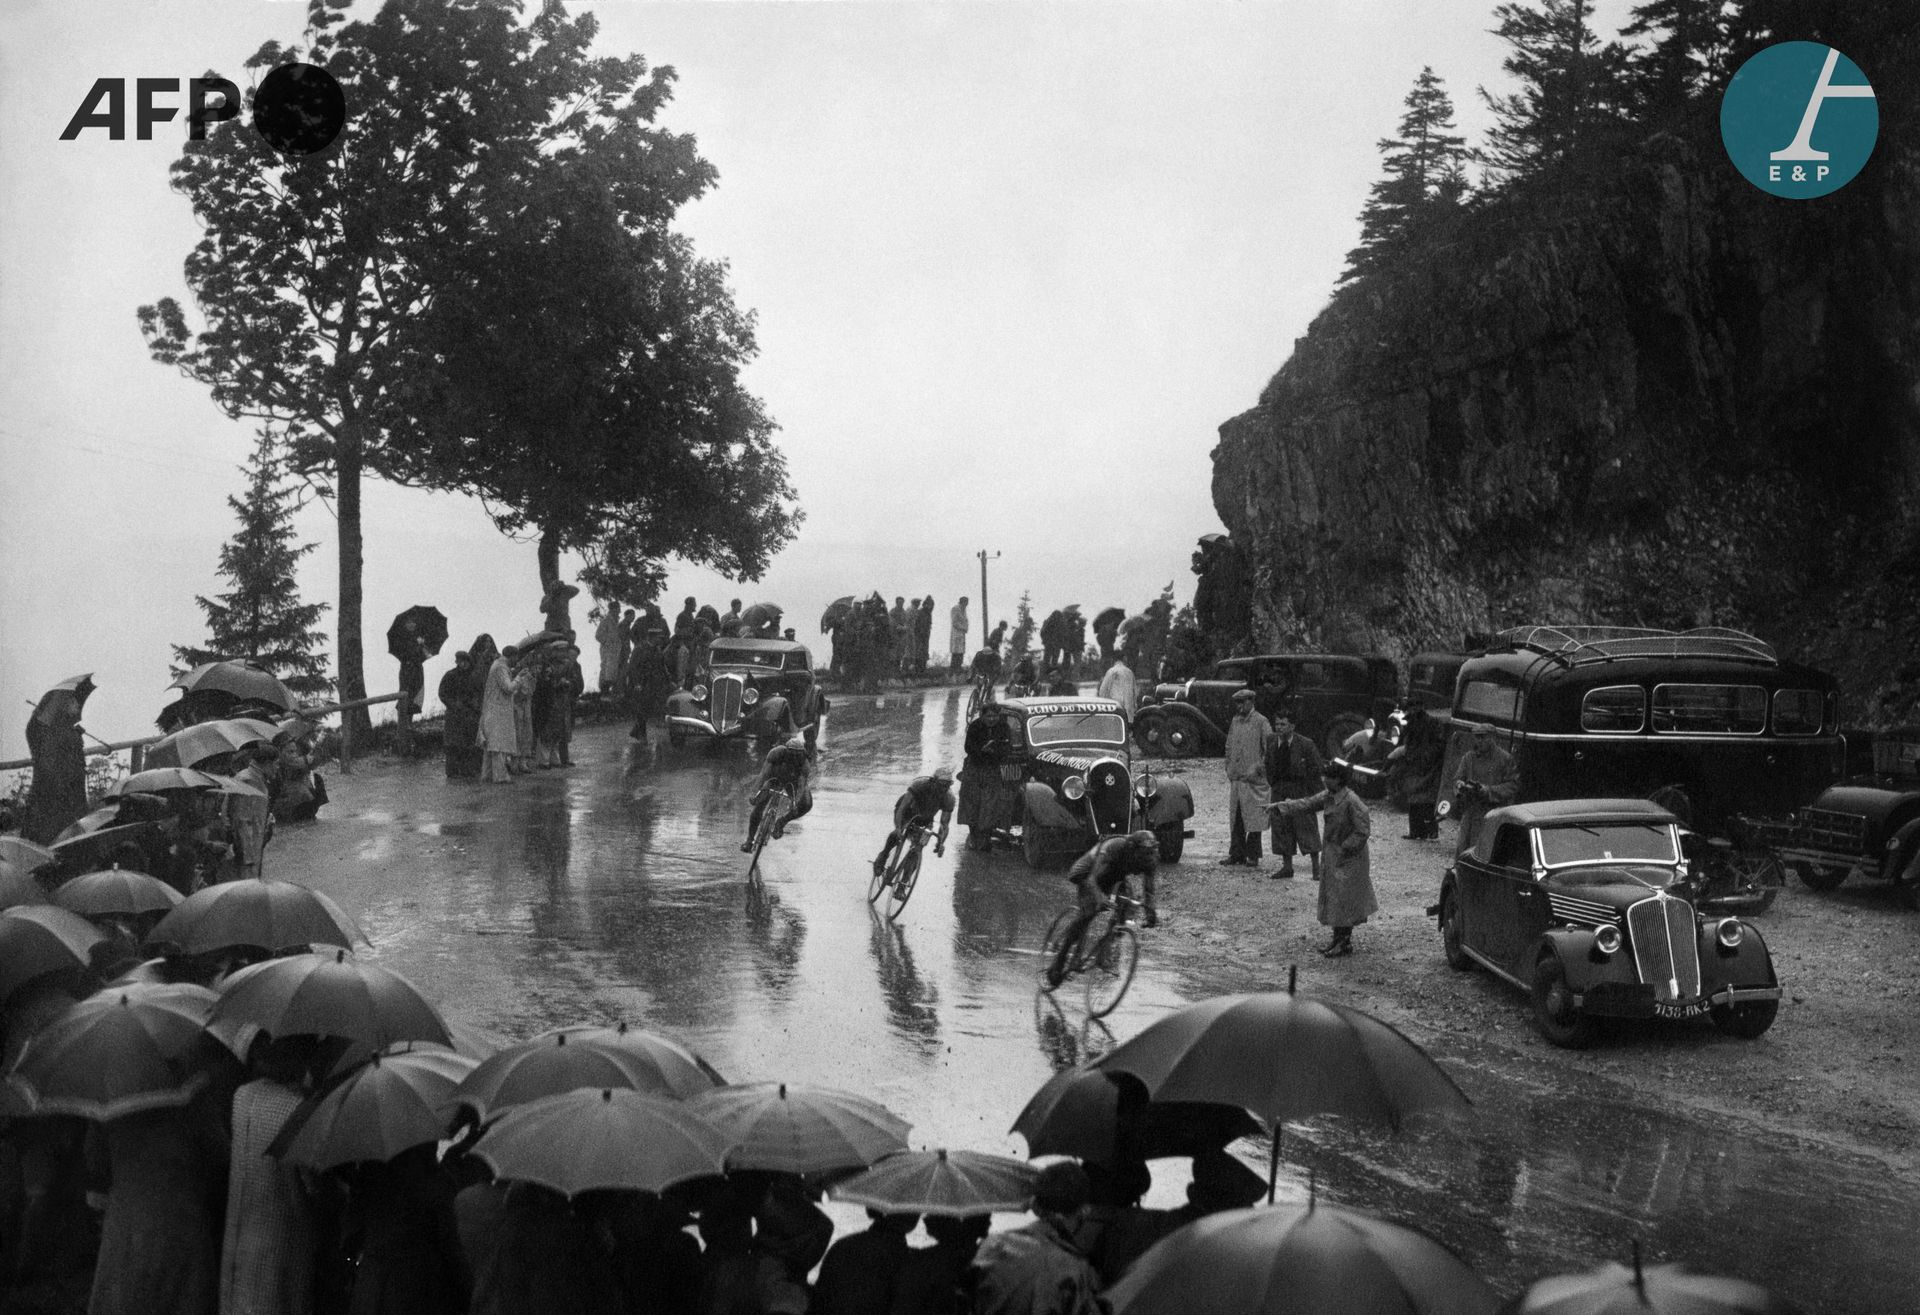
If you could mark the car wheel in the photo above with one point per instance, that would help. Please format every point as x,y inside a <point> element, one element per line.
<point>1179,737</point>
<point>1338,731</point>
<point>1173,841</point>
<point>1554,1012</point>
<point>1748,881</point>
<point>1150,734</point>
<point>1746,1020</point>
<point>1452,932</point>
<point>1819,876</point>
<point>1033,840</point>
<point>1905,867</point>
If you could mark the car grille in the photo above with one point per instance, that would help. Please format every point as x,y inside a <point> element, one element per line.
<point>1666,947</point>
<point>1110,793</point>
<point>1843,833</point>
<point>726,702</point>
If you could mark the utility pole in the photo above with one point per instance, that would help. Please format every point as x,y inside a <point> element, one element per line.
<point>986,618</point>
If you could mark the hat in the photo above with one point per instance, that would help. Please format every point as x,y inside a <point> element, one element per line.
<point>943,773</point>
<point>1245,694</point>
<point>1481,728</point>
<point>1061,1189</point>
<point>1221,1182</point>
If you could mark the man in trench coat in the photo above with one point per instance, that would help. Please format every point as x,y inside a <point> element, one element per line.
<point>1248,735</point>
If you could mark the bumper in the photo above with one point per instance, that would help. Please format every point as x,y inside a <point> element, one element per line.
<point>1869,864</point>
<point>701,726</point>
<point>1635,1000</point>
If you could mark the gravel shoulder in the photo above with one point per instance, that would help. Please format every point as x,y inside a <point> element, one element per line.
<point>1838,1067</point>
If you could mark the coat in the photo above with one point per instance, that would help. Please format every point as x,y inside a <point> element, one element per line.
<point>272,1235</point>
<point>1247,740</point>
<point>957,627</point>
<point>1420,767</point>
<point>1346,879</point>
<point>1501,778</point>
<point>1033,1271</point>
<point>1117,685</point>
<point>160,1238</point>
<point>497,728</point>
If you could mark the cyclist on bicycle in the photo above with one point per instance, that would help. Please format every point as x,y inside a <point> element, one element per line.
<point>785,768</point>
<point>1094,875</point>
<point>926,796</point>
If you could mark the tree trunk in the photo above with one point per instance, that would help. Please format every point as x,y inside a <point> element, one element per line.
<point>549,559</point>
<point>353,678</point>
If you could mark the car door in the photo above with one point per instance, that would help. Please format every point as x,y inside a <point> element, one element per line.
<point>1508,888</point>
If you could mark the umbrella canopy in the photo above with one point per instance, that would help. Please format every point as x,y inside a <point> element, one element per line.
<point>39,938</point>
<point>389,1104</point>
<point>557,1062</point>
<point>1284,1056</point>
<point>120,1052</point>
<point>243,680</point>
<point>193,745</point>
<point>469,1042</point>
<point>1105,1117</point>
<point>1659,1290</point>
<point>954,1183</point>
<point>801,1129</point>
<point>684,1072</point>
<point>420,626</point>
<point>588,1140</point>
<point>761,614</point>
<point>539,637</point>
<point>838,610</point>
<point>114,892</point>
<point>19,887</point>
<point>329,994</point>
<point>271,915</point>
<point>1274,1259</point>
<point>181,778</point>
<point>23,855</point>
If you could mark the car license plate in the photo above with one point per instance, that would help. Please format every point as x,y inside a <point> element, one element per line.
<point>1663,1010</point>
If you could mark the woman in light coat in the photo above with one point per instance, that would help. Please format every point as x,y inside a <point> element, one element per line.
<point>1346,885</point>
<point>499,734</point>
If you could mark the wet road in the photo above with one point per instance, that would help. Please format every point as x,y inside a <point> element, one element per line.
<point>615,890</point>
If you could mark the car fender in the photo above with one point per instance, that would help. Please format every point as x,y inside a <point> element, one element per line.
<point>1180,708</point>
<point>1172,801</point>
<point>1749,963</point>
<point>680,704</point>
<point>1583,964</point>
<point>1044,807</point>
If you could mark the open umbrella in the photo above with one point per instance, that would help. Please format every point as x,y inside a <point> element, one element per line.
<point>120,1052</point>
<point>421,625</point>
<point>1284,1258</point>
<point>193,745</point>
<point>18,887</point>
<point>23,855</point>
<point>1615,1289</point>
<point>801,1129</point>
<point>583,1141</point>
<point>387,1105</point>
<point>538,638</point>
<point>679,1068</point>
<point>837,611</point>
<point>1105,1117</point>
<point>1283,1056</point>
<point>39,938</point>
<point>469,1042</point>
<point>271,915</point>
<point>556,1062</point>
<point>246,682</point>
<point>956,1183</point>
<point>115,892</point>
<point>158,779</point>
<point>328,994</point>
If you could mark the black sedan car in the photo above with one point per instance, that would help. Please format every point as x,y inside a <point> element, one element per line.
<point>751,689</point>
<point>1587,904</point>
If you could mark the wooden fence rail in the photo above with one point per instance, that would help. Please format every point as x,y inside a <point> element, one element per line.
<point>325,710</point>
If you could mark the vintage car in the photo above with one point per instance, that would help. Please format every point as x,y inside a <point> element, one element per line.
<point>751,689</point>
<point>1330,696</point>
<point>1588,904</point>
<point>1432,676</point>
<point>1056,774</point>
<point>1869,822</point>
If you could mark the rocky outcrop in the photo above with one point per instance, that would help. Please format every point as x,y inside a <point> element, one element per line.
<point>1661,397</point>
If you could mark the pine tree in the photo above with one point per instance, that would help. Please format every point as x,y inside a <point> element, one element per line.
<point>1021,642</point>
<point>262,618</point>
<point>1688,50</point>
<point>1424,166</point>
<point>1573,87</point>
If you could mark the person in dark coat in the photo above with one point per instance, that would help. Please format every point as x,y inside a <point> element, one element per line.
<point>1293,772</point>
<point>929,1279</point>
<point>1346,893</point>
<point>57,796</point>
<point>461,699</point>
<point>1418,759</point>
<point>1488,780</point>
<point>529,1252</point>
<point>858,1274</point>
<point>922,635</point>
<point>400,1231</point>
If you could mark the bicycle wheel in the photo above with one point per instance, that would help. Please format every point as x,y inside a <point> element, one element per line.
<point>882,878</point>
<point>1050,944</point>
<point>760,837</point>
<point>902,889</point>
<point>1108,968</point>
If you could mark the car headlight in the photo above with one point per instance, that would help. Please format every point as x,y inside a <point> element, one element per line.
<point>1729,933</point>
<point>699,693</point>
<point>1144,787</point>
<point>1607,940</point>
<point>751,697</point>
<point>1074,787</point>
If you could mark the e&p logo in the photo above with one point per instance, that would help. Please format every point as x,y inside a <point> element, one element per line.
<point>1799,120</point>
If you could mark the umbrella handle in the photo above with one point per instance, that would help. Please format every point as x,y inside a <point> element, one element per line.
<point>1273,1161</point>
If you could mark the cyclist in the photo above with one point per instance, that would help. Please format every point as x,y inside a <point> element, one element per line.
<point>926,796</point>
<point>1099,870</point>
<point>786,768</point>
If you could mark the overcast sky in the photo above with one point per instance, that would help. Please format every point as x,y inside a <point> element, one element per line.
<point>1013,265</point>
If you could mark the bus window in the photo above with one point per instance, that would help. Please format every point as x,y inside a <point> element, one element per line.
<point>1797,711</point>
<point>1614,709</point>
<point>1491,700</point>
<point>1709,709</point>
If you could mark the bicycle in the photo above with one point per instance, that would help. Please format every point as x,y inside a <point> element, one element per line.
<point>982,695</point>
<point>775,812</point>
<point>1104,956</point>
<point>902,871</point>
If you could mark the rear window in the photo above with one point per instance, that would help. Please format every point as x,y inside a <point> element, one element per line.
<point>1491,701</point>
<point>1614,709</point>
<point>1709,709</point>
<point>1798,711</point>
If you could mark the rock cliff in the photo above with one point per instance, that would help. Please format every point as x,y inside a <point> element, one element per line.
<point>1654,397</point>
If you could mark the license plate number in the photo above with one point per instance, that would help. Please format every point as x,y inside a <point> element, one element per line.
<point>1663,1010</point>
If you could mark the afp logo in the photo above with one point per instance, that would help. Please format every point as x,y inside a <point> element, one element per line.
<point>299,109</point>
<point>1799,120</point>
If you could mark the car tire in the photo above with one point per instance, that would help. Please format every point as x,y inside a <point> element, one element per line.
<point>1180,736</point>
<point>1817,876</point>
<point>1452,932</point>
<point>1553,1010</point>
<point>1338,730</point>
<point>1758,870</point>
<point>1746,1020</point>
<point>1034,839</point>
<point>1905,867</point>
<point>1149,732</point>
<point>1173,841</point>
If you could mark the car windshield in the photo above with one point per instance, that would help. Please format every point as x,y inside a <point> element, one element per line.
<point>1618,842</point>
<point>745,657</point>
<point>1077,728</point>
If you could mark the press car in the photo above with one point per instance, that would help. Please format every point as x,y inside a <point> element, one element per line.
<point>754,689</point>
<point>1868,823</point>
<point>1329,695</point>
<point>1587,904</point>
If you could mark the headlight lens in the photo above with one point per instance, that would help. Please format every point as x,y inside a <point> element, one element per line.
<point>1143,787</point>
<point>1730,932</point>
<point>1074,787</point>
<point>751,697</point>
<point>699,693</point>
<point>1607,940</point>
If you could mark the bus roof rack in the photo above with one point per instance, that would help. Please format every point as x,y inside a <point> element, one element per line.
<point>1579,645</point>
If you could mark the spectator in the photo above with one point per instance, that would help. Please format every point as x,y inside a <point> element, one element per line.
<point>272,1233</point>
<point>607,635</point>
<point>1248,735</point>
<point>462,702</point>
<point>1487,780</point>
<point>1293,772</point>
<point>857,1277</point>
<point>929,1279</point>
<point>1346,895</point>
<point>1419,758</point>
<point>733,623</point>
<point>1117,685</point>
<point>1041,1269</point>
<point>499,738</point>
<point>957,626</point>
<point>922,644</point>
<point>899,626</point>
